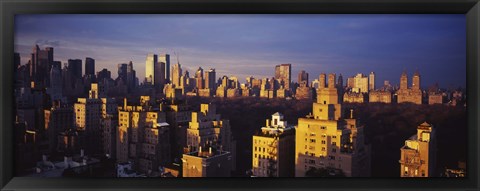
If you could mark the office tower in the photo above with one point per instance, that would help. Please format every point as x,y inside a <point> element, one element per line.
<point>165,58</point>
<point>88,113</point>
<point>143,136</point>
<point>210,79</point>
<point>40,64</point>
<point>16,60</point>
<point>89,66</point>
<point>55,89</point>
<point>340,82</point>
<point>209,162</point>
<point>200,84</point>
<point>411,95</point>
<point>206,128</point>
<point>325,140</point>
<point>75,69</point>
<point>302,76</point>
<point>131,77</point>
<point>104,74</point>
<point>418,155</point>
<point>58,118</point>
<point>176,74</point>
<point>273,149</point>
<point>283,73</point>
<point>371,81</point>
<point>122,72</point>
<point>150,63</point>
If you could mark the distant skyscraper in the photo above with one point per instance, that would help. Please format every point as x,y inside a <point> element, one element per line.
<point>199,78</point>
<point>359,83</point>
<point>89,66</point>
<point>165,58</point>
<point>150,64</point>
<point>340,81</point>
<point>176,74</point>
<point>131,77</point>
<point>122,72</point>
<point>302,76</point>
<point>40,65</point>
<point>371,81</point>
<point>104,74</point>
<point>413,94</point>
<point>210,79</point>
<point>416,81</point>
<point>404,81</point>
<point>283,72</point>
<point>75,68</point>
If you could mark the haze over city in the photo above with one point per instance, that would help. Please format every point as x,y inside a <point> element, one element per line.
<point>251,45</point>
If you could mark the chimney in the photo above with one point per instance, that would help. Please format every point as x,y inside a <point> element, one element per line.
<point>200,150</point>
<point>124,103</point>
<point>268,123</point>
<point>351,113</point>
<point>210,150</point>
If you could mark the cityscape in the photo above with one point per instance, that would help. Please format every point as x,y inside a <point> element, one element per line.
<point>156,119</point>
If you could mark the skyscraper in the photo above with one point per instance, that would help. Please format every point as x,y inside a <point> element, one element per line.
<point>165,58</point>
<point>131,77</point>
<point>302,76</point>
<point>89,66</point>
<point>75,68</point>
<point>371,81</point>
<point>283,73</point>
<point>210,79</point>
<point>176,74</point>
<point>122,72</point>
<point>199,78</point>
<point>150,64</point>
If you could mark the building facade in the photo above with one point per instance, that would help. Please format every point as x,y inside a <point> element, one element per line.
<point>418,155</point>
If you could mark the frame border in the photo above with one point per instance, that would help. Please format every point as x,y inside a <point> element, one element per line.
<point>8,9</point>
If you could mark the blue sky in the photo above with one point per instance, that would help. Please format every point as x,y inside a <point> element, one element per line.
<point>251,45</point>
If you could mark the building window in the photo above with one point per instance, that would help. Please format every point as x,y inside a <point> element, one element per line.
<point>334,143</point>
<point>324,142</point>
<point>313,141</point>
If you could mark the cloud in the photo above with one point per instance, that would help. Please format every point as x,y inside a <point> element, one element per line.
<point>43,42</point>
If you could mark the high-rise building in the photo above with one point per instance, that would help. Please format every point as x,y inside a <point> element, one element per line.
<point>206,128</point>
<point>55,89</point>
<point>143,136</point>
<point>40,64</point>
<point>199,78</point>
<point>302,76</point>
<point>418,155</point>
<point>371,81</point>
<point>358,83</point>
<point>88,114</point>
<point>411,95</point>
<point>75,68</point>
<point>165,58</point>
<point>89,66</point>
<point>273,149</point>
<point>131,77</point>
<point>210,79</point>
<point>104,74</point>
<point>283,73</point>
<point>150,63</point>
<point>176,74</point>
<point>325,140</point>
<point>58,118</point>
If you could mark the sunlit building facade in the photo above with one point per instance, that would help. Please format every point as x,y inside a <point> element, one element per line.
<point>418,155</point>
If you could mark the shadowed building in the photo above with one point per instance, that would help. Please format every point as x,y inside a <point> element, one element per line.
<point>413,94</point>
<point>283,73</point>
<point>211,163</point>
<point>380,96</point>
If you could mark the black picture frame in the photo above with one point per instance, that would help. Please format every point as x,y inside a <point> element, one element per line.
<point>9,8</point>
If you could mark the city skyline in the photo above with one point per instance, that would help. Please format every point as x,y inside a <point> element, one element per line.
<point>348,44</point>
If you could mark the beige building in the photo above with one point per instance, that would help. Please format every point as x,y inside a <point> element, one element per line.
<point>143,136</point>
<point>210,163</point>
<point>208,129</point>
<point>418,155</point>
<point>326,140</point>
<point>88,114</point>
<point>352,97</point>
<point>380,96</point>
<point>358,83</point>
<point>283,73</point>
<point>413,94</point>
<point>435,98</point>
<point>273,149</point>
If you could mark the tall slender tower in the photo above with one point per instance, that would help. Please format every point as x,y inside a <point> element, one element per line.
<point>404,81</point>
<point>371,81</point>
<point>89,66</point>
<point>150,63</point>
<point>165,58</point>
<point>416,81</point>
<point>176,74</point>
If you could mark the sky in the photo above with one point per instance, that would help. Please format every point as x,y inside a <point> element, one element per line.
<point>251,45</point>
